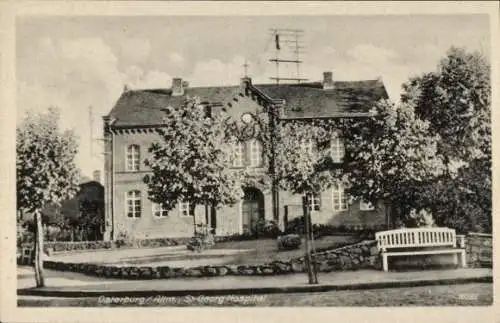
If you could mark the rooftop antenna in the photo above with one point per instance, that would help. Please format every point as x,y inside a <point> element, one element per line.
<point>91,134</point>
<point>289,37</point>
<point>245,66</point>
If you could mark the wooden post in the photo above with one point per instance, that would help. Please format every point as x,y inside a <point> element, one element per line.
<point>39,276</point>
<point>308,259</point>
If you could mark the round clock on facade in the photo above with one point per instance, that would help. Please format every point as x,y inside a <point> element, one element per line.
<point>246,117</point>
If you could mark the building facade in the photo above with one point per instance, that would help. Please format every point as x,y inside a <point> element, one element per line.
<point>131,127</point>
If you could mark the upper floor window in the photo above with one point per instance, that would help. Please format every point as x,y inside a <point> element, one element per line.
<point>255,153</point>
<point>159,210</point>
<point>314,201</point>
<point>337,149</point>
<point>306,145</point>
<point>133,158</point>
<point>133,204</point>
<point>366,206</point>
<point>339,200</point>
<point>186,209</point>
<point>239,153</point>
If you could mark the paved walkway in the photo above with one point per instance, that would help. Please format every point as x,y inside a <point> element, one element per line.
<point>77,285</point>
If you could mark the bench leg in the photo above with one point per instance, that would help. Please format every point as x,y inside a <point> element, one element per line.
<point>463,261</point>
<point>385,265</point>
<point>455,259</point>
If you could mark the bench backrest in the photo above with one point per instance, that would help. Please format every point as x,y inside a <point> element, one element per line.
<point>414,238</point>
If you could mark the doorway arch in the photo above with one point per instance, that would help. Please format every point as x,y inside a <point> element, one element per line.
<point>252,208</point>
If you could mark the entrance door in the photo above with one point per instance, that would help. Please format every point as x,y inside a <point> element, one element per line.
<point>252,208</point>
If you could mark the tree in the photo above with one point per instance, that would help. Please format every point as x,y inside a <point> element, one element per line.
<point>390,156</point>
<point>46,171</point>
<point>190,162</point>
<point>456,102</point>
<point>306,168</point>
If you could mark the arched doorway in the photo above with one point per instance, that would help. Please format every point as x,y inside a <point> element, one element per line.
<point>252,208</point>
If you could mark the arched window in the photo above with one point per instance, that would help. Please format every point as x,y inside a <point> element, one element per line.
<point>133,204</point>
<point>133,158</point>
<point>255,153</point>
<point>238,153</point>
<point>339,200</point>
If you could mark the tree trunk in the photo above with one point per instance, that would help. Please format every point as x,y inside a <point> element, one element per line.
<point>39,276</point>
<point>191,210</point>
<point>308,257</point>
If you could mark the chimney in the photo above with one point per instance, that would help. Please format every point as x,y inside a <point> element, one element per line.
<point>177,87</point>
<point>244,81</point>
<point>97,176</point>
<point>328,81</point>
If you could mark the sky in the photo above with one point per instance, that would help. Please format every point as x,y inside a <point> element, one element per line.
<point>85,61</point>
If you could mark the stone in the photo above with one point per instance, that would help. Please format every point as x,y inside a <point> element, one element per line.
<point>373,251</point>
<point>266,270</point>
<point>281,267</point>
<point>355,261</point>
<point>223,271</point>
<point>297,267</point>
<point>246,270</point>
<point>193,272</point>
<point>332,256</point>
<point>487,242</point>
<point>145,272</point>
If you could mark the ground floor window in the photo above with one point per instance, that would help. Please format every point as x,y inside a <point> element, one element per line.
<point>133,204</point>
<point>186,209</point>
<point>339,199</point>
<point>313,201</point>
<point>159,210</point>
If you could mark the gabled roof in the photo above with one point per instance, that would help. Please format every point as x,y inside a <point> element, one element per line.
<point>310,100</point>
<point>143,107</point>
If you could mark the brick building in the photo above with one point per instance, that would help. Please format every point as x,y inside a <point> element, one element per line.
<point>130,128</point>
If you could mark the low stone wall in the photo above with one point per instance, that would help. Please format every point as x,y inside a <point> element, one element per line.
<point>353,257</point>
<point>479,249</point>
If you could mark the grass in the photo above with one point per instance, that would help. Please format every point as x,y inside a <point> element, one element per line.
<point>442,295</point>
<point>266,250</point>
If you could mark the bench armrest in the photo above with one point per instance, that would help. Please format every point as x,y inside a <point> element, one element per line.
<point>460,241</point>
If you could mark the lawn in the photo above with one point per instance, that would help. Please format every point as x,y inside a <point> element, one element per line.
<point>266,250</point>
<point>442,295</point>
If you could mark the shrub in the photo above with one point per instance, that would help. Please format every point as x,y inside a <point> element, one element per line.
<point>289,242</point>
<point>203,239</point>
<point>266,229</point>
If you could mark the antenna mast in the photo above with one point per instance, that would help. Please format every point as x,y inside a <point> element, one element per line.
<point>91,134</point>
<point>291,39</point>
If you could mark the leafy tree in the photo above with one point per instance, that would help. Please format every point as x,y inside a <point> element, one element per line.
<point>456,102</point>
<point>390,156</point>
<point>46,170</point>
<point>189,163</point>
<point>306,167</point>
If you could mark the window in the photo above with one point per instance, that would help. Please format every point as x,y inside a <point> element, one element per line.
<point>307,146</point>
<point>366,206</point>
<point>239,152</point>
<point>255,153</point>
<point>314,201</point>
<point>337,149</point>
<point>159,211</point>
<point>133,201</point>
<point>338,198</point>
<point>186,210</point>
<point>133,158</point>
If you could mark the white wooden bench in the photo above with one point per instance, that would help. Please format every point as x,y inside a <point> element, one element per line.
<point>430,241</point>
